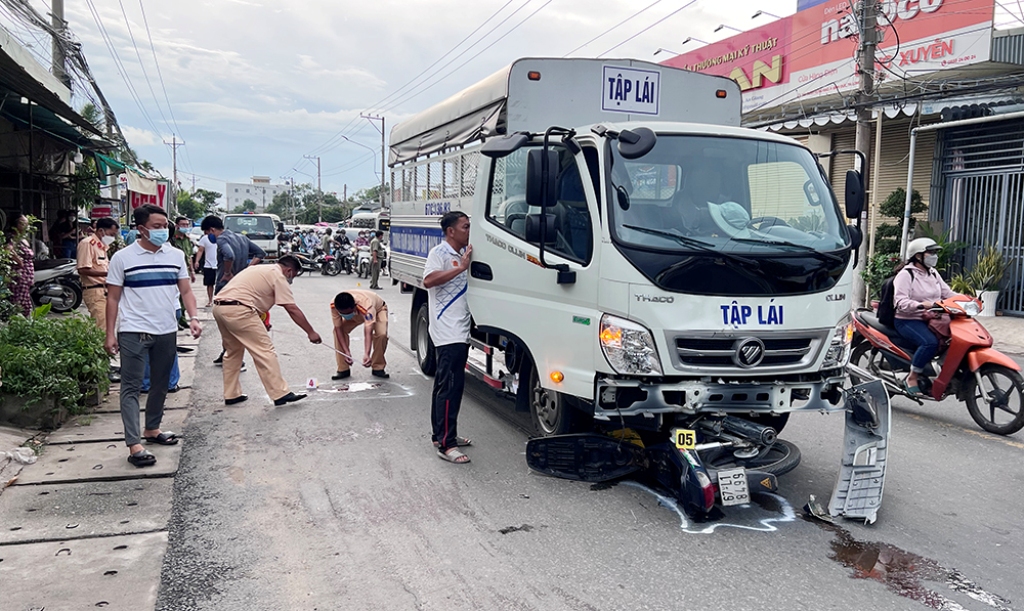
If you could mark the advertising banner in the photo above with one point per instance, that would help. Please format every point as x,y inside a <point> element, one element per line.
<point>158,198</point>
<point>813,53</point>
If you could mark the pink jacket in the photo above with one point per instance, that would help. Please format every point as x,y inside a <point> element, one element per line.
<point>914,288</point>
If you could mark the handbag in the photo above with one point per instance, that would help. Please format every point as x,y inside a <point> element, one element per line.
<point>939,325</point>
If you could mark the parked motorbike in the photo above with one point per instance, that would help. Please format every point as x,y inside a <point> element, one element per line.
<point>363,261</point>
<point>347,258</point>
<point>308,262</point>
<point>330,265</point>
<point>56,283</point>
<point>967,366</point>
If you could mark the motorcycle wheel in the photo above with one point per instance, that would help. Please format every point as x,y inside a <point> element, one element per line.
<point>778,459</point>
<point>332,269</point>
<point>868,358</point>
<point>997,407</point>
<point>69,300</point>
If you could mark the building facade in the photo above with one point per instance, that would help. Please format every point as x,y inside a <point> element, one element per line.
<point>259,189</point>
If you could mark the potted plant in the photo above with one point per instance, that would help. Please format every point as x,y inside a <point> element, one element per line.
<point>985,279</point>
<point>49,366</point>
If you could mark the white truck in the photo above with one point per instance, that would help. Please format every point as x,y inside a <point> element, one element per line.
<point>262,229</point>
<point>640,262</point>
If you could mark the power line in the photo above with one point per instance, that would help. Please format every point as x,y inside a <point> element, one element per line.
<point>616,26</point>
<point>688,4</point>
<point>424,71</point>
<point>160,75</point>
<point>118,64</point>
<point>142,65</point>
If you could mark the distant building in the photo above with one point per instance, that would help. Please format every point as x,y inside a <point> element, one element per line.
<point>259,189</point>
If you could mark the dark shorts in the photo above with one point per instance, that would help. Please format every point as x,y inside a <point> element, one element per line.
<point>209,276</point>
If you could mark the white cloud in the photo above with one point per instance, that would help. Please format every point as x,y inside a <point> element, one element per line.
<point>140,137</point>
<point>255,87</point>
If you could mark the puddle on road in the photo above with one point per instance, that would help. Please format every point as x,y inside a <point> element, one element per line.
<point>905,573</point>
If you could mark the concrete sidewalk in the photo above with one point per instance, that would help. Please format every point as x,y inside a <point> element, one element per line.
<point>81,527</point>
<point>1007,333</point>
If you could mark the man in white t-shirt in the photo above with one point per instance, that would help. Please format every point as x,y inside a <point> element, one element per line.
<point>445,278</point>
<point>206,259</point>
<point>144,281</point>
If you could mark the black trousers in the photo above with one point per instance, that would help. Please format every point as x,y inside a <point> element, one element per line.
<point>449,382</point>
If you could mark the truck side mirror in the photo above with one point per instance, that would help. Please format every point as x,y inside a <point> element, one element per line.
<point>856,239</point>
<point>635,143</point>
<point>540,178</point>
<point>854,194</point>
<point>496,148</point>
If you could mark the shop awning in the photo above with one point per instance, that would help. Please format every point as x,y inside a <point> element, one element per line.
<point>16,108</point>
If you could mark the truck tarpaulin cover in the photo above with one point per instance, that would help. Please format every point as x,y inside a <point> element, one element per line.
<point>470,115</point>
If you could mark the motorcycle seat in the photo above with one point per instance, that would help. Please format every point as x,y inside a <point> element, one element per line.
<point>870,318</point>
<point>44,264</point>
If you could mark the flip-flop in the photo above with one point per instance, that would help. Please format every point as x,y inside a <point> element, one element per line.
<point>460,442</point>
<point>914,390</point>
<point>165,439</point>
<point>453,455</point>
<point>142,459</point>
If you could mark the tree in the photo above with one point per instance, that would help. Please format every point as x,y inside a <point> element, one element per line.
<point>887,235</point>
<point>92,114</point>
<point>247,206</point>
<point>86,184</point>
<point>189,206</point>
<point>208,199</point>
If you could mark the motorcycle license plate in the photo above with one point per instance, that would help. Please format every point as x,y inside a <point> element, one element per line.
<point>732,486</point>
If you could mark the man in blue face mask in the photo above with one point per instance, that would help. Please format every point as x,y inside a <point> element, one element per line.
<point>144,282</point>
<point>350,310</point>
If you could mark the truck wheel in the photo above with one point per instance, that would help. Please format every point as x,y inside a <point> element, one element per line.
<point>550,410</point>
<point>424,345</point>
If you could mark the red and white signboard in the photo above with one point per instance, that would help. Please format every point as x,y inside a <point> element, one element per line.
<point>158,198</point>
<point>100,212</point>
<point>814,52</point>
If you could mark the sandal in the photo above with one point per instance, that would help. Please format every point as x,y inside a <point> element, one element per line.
<point>142,459</point>
<point>453,455</point>
<point>914,390</point>
<point>165,439</point>
<point>460,442</point>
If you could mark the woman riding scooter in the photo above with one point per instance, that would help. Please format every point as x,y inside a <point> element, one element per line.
<point>915,294</point>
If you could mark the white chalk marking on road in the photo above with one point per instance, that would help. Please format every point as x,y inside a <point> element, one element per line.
<point>766,524</point>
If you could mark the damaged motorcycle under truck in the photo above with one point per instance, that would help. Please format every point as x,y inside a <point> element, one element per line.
<point>659,287</point>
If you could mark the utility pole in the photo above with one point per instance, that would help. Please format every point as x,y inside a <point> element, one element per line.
<point>172,196</point>
<point>383,158</point>
<point>112,181</point>
<point>59,60</point>
<point>868,20</point>
<point>319,191</point>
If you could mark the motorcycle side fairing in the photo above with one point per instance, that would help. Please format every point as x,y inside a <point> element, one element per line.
<point>858,490</point>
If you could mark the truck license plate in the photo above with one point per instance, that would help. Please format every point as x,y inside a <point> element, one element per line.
<point>732,485</point>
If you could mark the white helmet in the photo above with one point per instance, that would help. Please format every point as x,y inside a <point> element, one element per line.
<point>921,245</point>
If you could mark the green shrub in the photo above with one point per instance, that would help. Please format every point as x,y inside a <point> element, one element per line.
<point>53,357</point>
<point>879,267</point>
<point>887,236</point>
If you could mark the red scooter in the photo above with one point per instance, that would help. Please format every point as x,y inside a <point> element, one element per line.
<point>966,366</point>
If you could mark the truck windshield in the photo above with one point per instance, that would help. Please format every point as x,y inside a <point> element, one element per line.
<point>738,195</point>
<point>254,227</point>
<point>713,215</point>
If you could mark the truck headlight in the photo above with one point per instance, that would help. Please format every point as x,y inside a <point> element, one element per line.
<point>838,354</point>
<point>629,347</point>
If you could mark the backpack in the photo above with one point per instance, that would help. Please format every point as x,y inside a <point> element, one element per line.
<point>887,301</point>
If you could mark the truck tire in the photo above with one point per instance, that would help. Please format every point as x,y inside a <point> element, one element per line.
<point>425,355</point>
<point>551,411</point>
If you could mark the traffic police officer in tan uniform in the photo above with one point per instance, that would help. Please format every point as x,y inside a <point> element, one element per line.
<point>92,268</point>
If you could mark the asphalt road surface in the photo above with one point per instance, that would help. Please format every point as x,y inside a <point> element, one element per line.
<point>339,502</point>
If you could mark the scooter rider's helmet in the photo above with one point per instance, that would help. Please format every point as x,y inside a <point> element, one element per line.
<point>921,245</point>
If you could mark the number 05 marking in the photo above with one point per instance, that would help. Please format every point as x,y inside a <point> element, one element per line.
<point>686,439</point>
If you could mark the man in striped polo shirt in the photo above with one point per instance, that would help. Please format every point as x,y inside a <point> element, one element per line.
<point>144,281</point>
